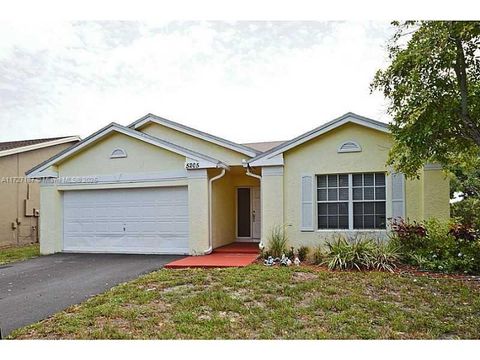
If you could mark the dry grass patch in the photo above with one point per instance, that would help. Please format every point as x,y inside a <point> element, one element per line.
<point>257,302</point>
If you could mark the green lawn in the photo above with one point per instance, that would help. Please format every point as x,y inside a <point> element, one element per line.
<point>257,302</point>
<point>12,254</point>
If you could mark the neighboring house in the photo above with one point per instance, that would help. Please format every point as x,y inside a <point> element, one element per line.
<point>157,186</point>
<point>19,205</point>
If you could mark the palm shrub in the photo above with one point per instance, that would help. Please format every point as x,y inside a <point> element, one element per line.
<point>277,241</point>
<point>360,254</point>
<point>342,254</point>
<point>386,256</point>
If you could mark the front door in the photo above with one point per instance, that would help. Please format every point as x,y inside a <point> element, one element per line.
<point>248,213</point>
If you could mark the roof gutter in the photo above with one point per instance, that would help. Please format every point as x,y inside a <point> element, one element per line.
<point>210,209</point>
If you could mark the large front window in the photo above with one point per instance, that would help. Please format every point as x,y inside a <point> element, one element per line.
<point>351,201</point>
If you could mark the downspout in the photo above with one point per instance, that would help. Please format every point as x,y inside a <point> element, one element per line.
<point>248,173</point>
<point>210,211</point>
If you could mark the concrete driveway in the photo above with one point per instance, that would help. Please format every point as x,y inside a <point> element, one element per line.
<point>34,289</point>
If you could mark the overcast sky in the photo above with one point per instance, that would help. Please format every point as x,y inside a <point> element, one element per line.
<point>245,81</point>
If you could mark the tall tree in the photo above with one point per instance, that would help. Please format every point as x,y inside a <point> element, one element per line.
<point>433,88</point>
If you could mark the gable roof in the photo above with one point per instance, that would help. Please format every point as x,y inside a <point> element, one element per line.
<point>206,160</point>
<point>264,145</point>
<point>19,146</point>
<point>322,129</point>
<point>196,133</point>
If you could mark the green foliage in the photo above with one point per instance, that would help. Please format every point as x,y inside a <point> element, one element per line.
<point>385,256</point>
<point>446,247</point>
<point>410,235</point>
<point>467,211</point>
<point>277,241</point>
<point>360,254</point>
<point>465,178</point>
<point>342,254</point>
<point>303,253</point>
<point>433,88</point>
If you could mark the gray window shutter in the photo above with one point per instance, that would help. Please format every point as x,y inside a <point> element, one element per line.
<point>398,195</point>
<point>307,203</point>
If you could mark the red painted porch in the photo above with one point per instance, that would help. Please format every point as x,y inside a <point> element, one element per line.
<point>236,254</point>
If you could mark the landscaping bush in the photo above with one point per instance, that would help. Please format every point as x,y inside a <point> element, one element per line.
<point>360,254</point>
<point>442,246</point>
<point>411,235</point>
<point>467,211</point>
<point>462,232</point>
<point>386,254</point>
<point>303,253</point>
<point>277,241</point>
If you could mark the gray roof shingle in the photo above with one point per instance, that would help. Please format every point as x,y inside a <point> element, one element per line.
<point>8,145</point>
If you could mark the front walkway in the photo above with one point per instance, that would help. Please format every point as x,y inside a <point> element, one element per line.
<point>233,255</point>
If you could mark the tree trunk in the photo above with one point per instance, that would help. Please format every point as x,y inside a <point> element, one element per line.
<point>461,73</point>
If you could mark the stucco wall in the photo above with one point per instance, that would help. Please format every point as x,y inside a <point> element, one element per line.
<point>198,211</point>
<point>436,191</point>
<point>414,198</point>
<point>51,221</point>
<point>141,157</point>
<point>272,194</point>
<point>223,209</point>
<point>320,156</point>
<point>228,156</point>
<point>13,195</point>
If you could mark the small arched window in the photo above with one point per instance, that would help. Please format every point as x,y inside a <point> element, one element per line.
<point>349,146</point>
<point>118,153</point>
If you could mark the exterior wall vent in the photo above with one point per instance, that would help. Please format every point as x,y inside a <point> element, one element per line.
<point>118,153</point>
<point>349,146</point>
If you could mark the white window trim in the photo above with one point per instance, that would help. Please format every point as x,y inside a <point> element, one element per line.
<point>350,204</point>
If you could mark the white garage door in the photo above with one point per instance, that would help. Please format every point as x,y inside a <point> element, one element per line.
<point>145,221</point>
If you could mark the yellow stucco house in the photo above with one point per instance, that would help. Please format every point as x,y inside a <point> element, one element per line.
<point>157,186</point>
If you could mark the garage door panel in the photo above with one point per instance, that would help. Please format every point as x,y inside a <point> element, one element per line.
<point>152,220</point>
<point>180,227</point>
<point>72,227</point>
